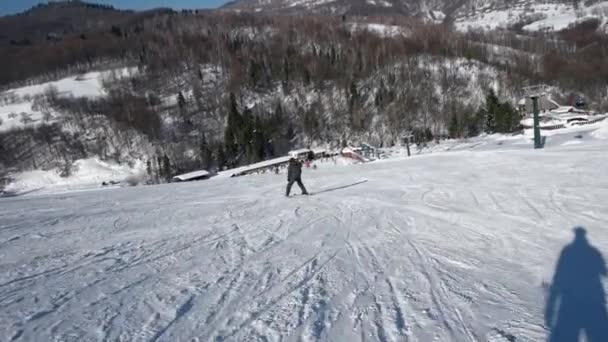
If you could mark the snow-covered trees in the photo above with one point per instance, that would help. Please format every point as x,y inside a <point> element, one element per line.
<point>497,116</point>
<point>224,89</point>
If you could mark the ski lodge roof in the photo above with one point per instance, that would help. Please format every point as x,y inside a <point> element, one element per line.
<point>254,167</point>
<point>191,176</point>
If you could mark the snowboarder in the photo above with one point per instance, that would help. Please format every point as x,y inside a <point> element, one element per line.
<point>294,175</point>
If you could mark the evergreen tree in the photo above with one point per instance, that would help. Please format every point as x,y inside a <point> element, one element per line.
<point>498,117</point>
<point>231,135</point>
<point>181,100</point>
<point>277,119</point>
<point>221,158</point>
<point>205,153</point>
<point>354,97</point>
<point>507,119</point>
<point>453,127</point>
<point>285,74</point>
<point>472,124</point>
<point>490,111</point>
<point>245,136</point>
<point>428,134</point>
<point>258,141</point>
<point>149,168</point>
<point>160,169</point>
<point>166,167</point>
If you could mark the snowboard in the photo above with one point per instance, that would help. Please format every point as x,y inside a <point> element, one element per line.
<point>300,195</point>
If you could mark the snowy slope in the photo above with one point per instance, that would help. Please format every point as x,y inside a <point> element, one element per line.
<point>85,85</point>
<point>381,30</point>
<point>537,16</point>
<point>19,102</point>
<point>87,174</point>
<point>457,246</point>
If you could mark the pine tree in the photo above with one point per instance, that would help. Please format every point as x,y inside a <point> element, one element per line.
<point>285,74</point>
<point>453,127</point>
<point>472,123</point>
<point>490,111</point>
<point>220,158</point>
<point>231,135</point>
<point>181,100</point>
<point>245,135</point>
<point>507,118</point>
<point>166,167</point>
<point>160,169</point>
<point>205,153</point>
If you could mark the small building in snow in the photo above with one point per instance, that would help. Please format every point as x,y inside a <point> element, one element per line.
<point>192,176</point>
<point>299,154</point>
<point>305,153</point>
<point>355,153</point>
<point>545,104</point>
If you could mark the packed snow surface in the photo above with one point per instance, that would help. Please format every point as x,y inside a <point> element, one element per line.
<point>86,174</point>
<point>446,246</point>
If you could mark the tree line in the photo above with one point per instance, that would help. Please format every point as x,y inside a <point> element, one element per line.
<point>315,80</point>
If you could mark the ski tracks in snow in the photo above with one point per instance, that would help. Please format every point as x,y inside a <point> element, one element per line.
<point>412,255</point>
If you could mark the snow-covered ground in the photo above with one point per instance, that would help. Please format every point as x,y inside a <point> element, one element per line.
<point>87,174</point>
<point>18,108</point>
<point>540,16</point>
<point>381,30</point>
<point>450,246</point>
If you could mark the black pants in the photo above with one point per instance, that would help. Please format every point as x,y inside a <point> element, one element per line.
<point>290,184</point>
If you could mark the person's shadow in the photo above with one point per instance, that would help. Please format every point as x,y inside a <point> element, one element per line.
<point>577,302</point>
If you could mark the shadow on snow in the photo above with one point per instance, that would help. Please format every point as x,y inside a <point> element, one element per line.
<point>576,301</point>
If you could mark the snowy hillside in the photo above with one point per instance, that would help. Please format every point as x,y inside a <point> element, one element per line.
<point>534,16</point>
<point>455,246</point>
<point>19,107</point>
<point>469,14</point>
<point>88,173</point>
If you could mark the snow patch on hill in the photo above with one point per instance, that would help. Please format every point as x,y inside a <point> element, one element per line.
<point>86,174</point>
<point>20,115</point>
<point>563,20</point>
<point>381,30</point>
<point>85,85</point>
<point>537,16</point>
<point>22,107</point>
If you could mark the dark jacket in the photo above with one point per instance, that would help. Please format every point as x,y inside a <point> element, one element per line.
<point>311,155</point>
<point>294,171</point>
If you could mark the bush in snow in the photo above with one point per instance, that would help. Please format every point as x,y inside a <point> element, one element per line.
<point>67,168</point>
<point>26,118</point>
<point>135,179</point>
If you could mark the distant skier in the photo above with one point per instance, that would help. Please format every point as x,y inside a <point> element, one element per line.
<point>294,175</point>
<point>310,156</point>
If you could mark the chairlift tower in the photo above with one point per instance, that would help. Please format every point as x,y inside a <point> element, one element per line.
<point>535,93</point>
